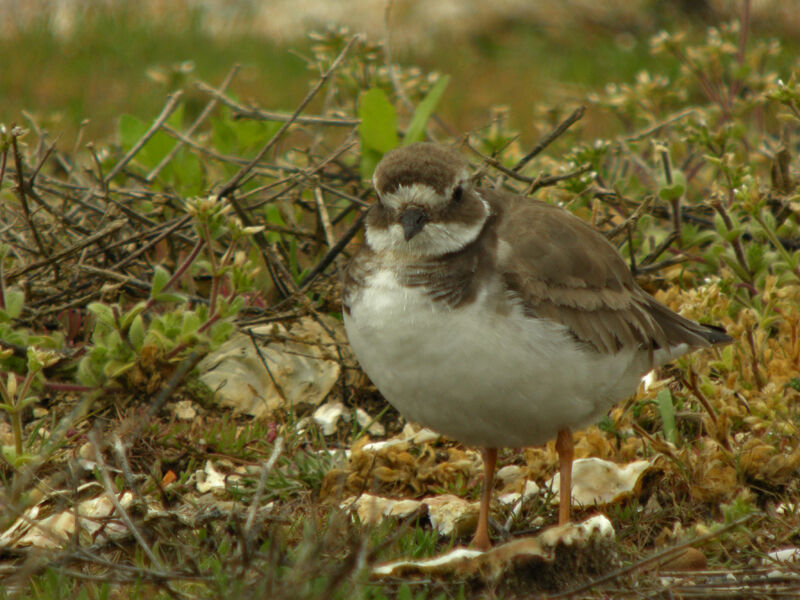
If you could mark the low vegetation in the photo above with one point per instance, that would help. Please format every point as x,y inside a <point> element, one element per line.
<point>123,263</point>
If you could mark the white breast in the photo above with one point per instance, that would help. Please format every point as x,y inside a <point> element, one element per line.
<point>483,378</point>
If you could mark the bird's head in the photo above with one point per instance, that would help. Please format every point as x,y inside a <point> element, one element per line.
<point>427,205</point>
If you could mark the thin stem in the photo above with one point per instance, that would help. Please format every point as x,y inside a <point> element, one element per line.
<point>179,273</point>
<point>736,243</point>
<point>23,199</point>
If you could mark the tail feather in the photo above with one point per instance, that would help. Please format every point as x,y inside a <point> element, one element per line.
<point>680,330</point>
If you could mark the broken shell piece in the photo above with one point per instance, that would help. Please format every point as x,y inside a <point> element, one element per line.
<point>86,457</point>
<point>419,435</point>
<point>458,560</point>
<point>327,416</point>
<point>516,553</point>
<point>185,410</point>
<point>373,426</point>
<point>509,474</point>
<point>93,516</point>
<point>408,435</point>
<point>596,482</point>
<point>11,535</point>
<point>292,368</point>
<point>531,489</point>
<point>651,382</point>
<point>517,500</point>
<point>448,514</point>
<point>211,479</point>
<point>783,555</point>
<point>570,534</point>
<point>371,509</point>
<point>381,445</point>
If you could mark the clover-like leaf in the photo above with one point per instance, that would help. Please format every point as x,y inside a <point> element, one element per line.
<point>674,189</point>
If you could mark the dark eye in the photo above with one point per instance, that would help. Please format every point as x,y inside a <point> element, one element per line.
<point>457,194</point>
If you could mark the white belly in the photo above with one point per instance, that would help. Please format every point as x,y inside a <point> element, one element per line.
<point>480,377</point>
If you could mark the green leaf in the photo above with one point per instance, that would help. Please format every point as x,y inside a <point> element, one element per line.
<point>170,297</point>
<point>252,135</point>
<point>416,128</point>
<point>223,136</point>
<point>115,368</point>
<point>241,137</point>
<point>87,375</point>
<point>98,354</point>
<point>186,174</point>
<point>378,127</point>
<point>9,453</point>
<point>404,592</point>
<point>369,160</point>
<point>190,323</point>
<point>137,332</point>
<point>674,190</point>
<point>15,299</point>
<point>160,279</point>
<point>234,307</point>
<point>756,255</point>
<point>129,316</point>
<point>202,266</point>
<point>157,338</point>
<point>22,404</point>
<point>130,131</point>
<point>667,411</point>
<point>35,359</point>
<point>103,313</point>
<point>221,331</point>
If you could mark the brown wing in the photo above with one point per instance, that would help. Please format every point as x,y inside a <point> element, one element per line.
<point>564,270</point>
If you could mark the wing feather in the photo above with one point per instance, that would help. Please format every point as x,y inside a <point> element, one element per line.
<point>562,269</point>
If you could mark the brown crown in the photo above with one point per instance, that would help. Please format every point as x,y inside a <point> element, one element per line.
<point>431,164</point>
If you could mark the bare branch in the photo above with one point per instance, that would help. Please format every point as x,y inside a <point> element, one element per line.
<point>548,139</point>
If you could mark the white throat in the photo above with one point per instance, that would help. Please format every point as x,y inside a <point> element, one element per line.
<point>435,239</point>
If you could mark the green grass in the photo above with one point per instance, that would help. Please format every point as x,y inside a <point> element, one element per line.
<point>100,71</point>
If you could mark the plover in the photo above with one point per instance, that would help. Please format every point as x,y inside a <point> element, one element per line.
<point>496,319</point>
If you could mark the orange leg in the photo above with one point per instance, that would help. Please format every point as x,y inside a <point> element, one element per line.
<point>565,449</point>
<point>481,539</point>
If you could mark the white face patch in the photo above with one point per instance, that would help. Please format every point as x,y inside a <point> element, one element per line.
<point>416,193</point>
<point>420,194</point>
<point>435,239</point>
